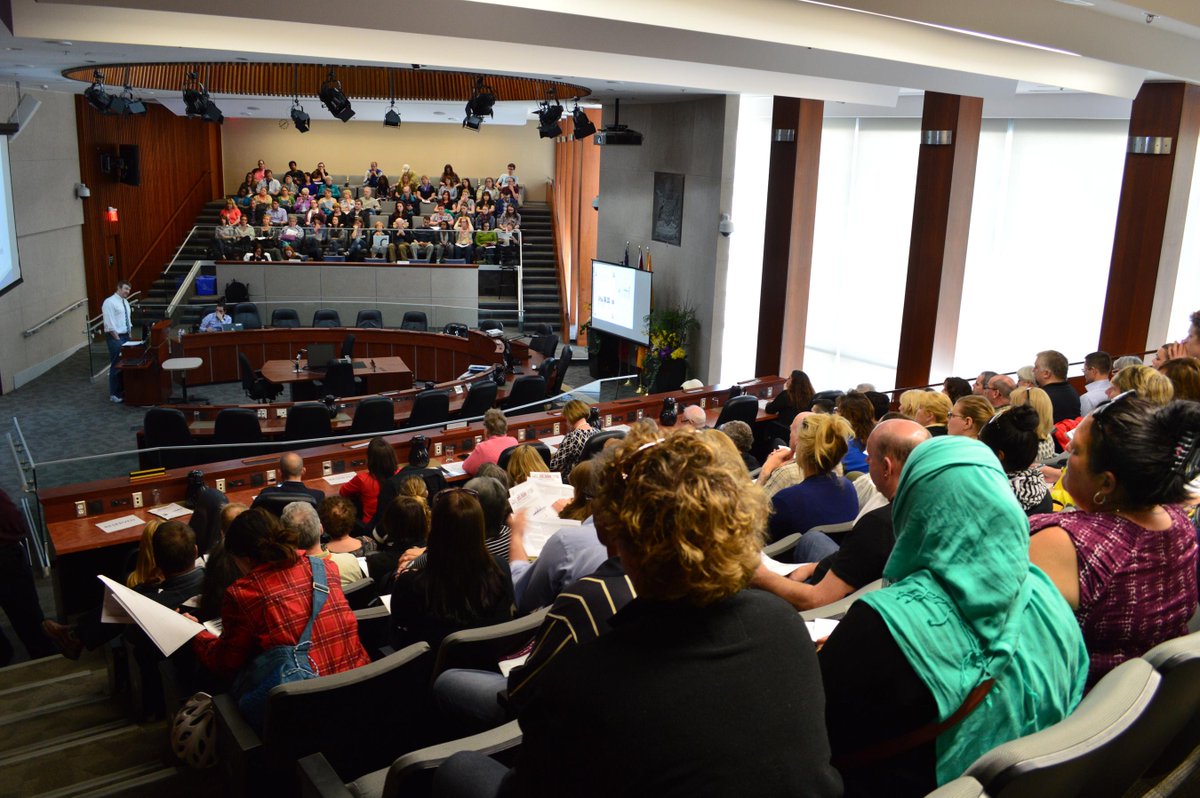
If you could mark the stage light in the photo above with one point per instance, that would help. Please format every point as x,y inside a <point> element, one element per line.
<point>391,118</point>
<point>548,116</point>
<point>334,99</point>
<point>95,94</point>
<point>299,118</point>
<point>583,125</point>
<point>132,105</point>
<point>472,122</point>
<point>197,102</point>
<point>479,106</point>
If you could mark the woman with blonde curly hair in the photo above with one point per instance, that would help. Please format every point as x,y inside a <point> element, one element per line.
<point>1039,400</point>
<point>825,496</point>
<point>931,409</point>
<point>1149,383</point>
<point>687,528</point>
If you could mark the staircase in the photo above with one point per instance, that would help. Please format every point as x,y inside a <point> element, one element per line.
<point>64,734</point>
<point>542,301</point>
<point>154,302</point>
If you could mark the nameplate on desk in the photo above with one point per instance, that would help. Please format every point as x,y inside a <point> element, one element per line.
<point>456,425</point>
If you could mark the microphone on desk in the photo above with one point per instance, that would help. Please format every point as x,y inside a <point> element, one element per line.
<point>373,364</point>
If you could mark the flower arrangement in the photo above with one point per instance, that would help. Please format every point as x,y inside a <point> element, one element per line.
<point>670,330</point>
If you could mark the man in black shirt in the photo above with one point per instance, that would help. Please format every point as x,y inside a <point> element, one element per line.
<point>867,546</point>
<point>1050,371</point>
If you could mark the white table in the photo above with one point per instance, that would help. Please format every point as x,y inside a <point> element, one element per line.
<point>182,365</point>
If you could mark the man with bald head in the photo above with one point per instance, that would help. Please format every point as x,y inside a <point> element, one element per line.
<point>291,478</point>
<point>867,546</point>
<point>998,390</point>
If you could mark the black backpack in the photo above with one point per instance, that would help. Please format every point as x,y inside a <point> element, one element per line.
<point>236,291</point>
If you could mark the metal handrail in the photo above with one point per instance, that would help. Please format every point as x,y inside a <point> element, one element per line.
<point>184,287</point>
<point>179,251</point>
<point>33,330</point>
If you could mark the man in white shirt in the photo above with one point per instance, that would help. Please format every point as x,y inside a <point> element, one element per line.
<point>268,182</point>
<point>509,178</point>
<point>215,321</point>
<point>117,321</point>
<point>1097,368</point>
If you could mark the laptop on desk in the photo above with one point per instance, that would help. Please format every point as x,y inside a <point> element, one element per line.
<point>319,356</point>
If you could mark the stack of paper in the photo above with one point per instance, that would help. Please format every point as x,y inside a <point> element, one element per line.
<point>820,628</point>
<point>169,511</point>
<point>117,524</point>
<point>168,629</point>
<point>536,496</point>
<point>340,479</point>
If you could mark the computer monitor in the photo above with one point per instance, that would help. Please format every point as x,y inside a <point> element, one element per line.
<point>319,356</point>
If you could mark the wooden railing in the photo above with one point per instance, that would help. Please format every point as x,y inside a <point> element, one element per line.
<point>560,266</point>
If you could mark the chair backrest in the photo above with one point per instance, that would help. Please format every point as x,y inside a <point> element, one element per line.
<point>369,318</point>
<point>412,774</point>
<point>782,547</point>
<point>274,501</point>
<point>285,317</point>
<point>564,363</point>
<point>596,443</point>
<point>525,390</point>
<point>480,396</point>
<point>548,370</point>
<point>483,647</point>
<point>246,314</point>
<point>348,345</point>
<point>245,371</point>
<point>373,414</point>
<point>415,320</point>
<point>237,425</point>
<point>545,345</point>
<point>491,324</point>
<point>339,380</point>
<point>360,594</point>
<point>430,407</point>
<point>739,408</point>
<point>1174,718</point>
<point>299,714</point>
<point>964,787</point>
<point>307,420</point>
<point>840,607</point>
<point>326,317</point>
<point>542,449</point>
<point>1078,755</point>
<point>374,628</point>
<point>166,426</point>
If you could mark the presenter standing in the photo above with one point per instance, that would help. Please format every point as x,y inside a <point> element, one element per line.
<point>116,331</point>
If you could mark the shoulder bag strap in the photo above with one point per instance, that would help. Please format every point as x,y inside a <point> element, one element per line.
<point>320,594</point>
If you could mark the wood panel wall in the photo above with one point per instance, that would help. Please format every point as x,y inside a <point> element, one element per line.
<point>577,182</point>
<point>180,171</point>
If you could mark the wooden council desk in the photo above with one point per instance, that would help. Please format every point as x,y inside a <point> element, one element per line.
<point>379,374</point>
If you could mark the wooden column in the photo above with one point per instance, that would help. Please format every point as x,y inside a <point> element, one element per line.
<point>788,241</point>
<point>1161,155</point>
<point>937,251</point>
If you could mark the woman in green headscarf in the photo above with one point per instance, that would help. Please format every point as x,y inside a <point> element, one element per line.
<point>970,646</point>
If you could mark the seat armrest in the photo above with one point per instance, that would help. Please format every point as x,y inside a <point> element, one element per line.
<point>493,741</point>
<point>318,779</point>
<point>239,748</point>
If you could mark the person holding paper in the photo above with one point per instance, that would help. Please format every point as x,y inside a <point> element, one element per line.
<point>271,604</point>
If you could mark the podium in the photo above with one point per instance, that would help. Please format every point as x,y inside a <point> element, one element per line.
<point>141,366</point>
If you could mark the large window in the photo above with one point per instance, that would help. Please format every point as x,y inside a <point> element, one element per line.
<point>860,251</point>
<point>1042,224</point>
<point>1187,284</point>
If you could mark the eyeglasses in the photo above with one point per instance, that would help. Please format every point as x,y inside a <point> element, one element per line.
<point>952,414</point>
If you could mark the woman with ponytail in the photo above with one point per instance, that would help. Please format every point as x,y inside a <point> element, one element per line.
<point>825,496</point>
<point>271,604</point>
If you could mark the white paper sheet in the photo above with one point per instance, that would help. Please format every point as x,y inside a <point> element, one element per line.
<point>215,626</point>
<point>362,563</point>
<point>168,629</point>
<point>454,468</point>
<point>386,598</point>
<point>777,567</point>
<point>507,665</point>
<point>169,511</point>
<point>117,524</point>
<point>340,479</point>
<point>820,628</point>
<point>112,611</point>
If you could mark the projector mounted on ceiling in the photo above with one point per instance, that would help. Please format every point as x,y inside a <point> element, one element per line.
<point>618,134</point>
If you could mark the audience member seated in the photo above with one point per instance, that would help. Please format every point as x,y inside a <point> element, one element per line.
<point>831,572</point>
<point>780,470</point>
<point>495,440</point>
<point>460,585</point>
<point>271,605</point>
<point>230,213</point>
<point>1025,377</point>
<point>523,461</point>
<point>979,387</point>
<point>999,389</point>
<point>693,418</point>
<point>742,436</point>
<point>797,395</point>
<point>1097,369</point>
<point>1184,374</point>
<point>956,388</point>
<point>257,255</point>
<point>432,479</point>
<point>337,515</point>
<point>303,518</point>
<point>220,569</point>
<point>404,529</point>
<point>1126,561</point>
<point>687,529</point>
<point>1149,383</point>
<point>579,431</point>
<point>824,497</point>
<point>969,416</point>
<point>965,615</point>
<point>291,478</point>
<point>1039,400</point>
<point>1188,347</point>
<point>857,409</point>
<point>583,480</point>
<point>1013,436</point>
<point>363,489</point>
<point>215,321</point>
<point>1050,372</point>
<point>931,409</point>
<point>166,572</point>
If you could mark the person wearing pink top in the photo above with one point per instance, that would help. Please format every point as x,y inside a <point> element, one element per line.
<point>495,440</point>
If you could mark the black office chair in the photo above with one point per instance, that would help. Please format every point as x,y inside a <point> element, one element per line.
<point>307,420</point>
<point>540,328</point>
<point>235,425</point>
<point>548,370</point>
<point>166,426</point>
<point>480,396</point>
<point>564,363</point>
<point>457,328</point>
<point>490,324</point>
<point>348,345</point>
<point>369,319</point>
<point>545,344</point>
<point>326,317</point>
<point>415,320</point>
<point>526,390</point>
<point>274,501</point>
<point>246,314</point>
<point>285,317</point>
<point>542,449</point>
<point>373,414</point>
<point>339,381</point>
<point>430,407</point>
<point>596,443</point>
<point>739,408</point>
<point>256,386</point>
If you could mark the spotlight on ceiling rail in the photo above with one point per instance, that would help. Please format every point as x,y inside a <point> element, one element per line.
<point>549,112</point>
<point>299,118</point>
<point>197,102</point>
<point>334,99</point>
<point>583,125</point>
<point>480,105</point>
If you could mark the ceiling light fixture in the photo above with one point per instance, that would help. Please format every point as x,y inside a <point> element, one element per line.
<point>334,99</point>
<point>391,118</point>
<point>95,94</point>
<point>197,102</point>
<point>299,118</point>
<point>583,125</point>
<point>548,116</point>
<point>479,106</point>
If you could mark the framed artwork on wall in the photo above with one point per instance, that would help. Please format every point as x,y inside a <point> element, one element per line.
<point>667,224</point>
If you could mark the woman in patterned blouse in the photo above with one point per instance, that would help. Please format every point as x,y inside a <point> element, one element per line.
<point>576,415</point>
<point>1126,563</point>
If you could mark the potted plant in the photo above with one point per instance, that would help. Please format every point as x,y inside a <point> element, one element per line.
<point>670,330</point>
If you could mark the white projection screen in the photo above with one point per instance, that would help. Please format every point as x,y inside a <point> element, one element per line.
<point>10,261</point>
<point>620,300</point>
